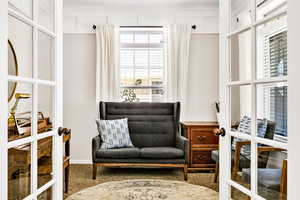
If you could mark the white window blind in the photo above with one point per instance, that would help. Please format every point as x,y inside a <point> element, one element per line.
<point>276,47</point>
<point>142,67</point>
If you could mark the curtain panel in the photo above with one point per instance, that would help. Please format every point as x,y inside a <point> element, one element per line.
<point>178,49</point>
<point>107,65</point>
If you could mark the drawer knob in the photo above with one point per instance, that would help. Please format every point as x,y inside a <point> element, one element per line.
<point>201,138</point>
<point>201,157</point>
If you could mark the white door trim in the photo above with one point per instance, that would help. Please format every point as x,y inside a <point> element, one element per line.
<point>294,99</point>
<point>3,95</point>
<point>57,156</point>
<point>225,84</point>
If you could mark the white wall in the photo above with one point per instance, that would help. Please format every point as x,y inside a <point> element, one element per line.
<point>83,24</point>
<point>203,77</point>
<point>79,87</point>
<point>79,92</point>
<point>80,18</point>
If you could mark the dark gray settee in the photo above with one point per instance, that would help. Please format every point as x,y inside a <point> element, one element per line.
<point>154,131</point>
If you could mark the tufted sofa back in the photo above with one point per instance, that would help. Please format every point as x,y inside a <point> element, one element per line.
<point>150,124</point>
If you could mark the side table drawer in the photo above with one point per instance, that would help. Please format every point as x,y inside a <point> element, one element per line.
<point>202,157</point>
<point>203,137</point>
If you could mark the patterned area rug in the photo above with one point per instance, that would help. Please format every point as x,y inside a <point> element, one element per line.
<point>145,189</point>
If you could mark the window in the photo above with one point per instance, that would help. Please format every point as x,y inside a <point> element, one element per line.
<point>142,67</point>
<point>277,66</point>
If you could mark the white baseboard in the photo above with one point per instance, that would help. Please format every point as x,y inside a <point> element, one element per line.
<point>85,162</point>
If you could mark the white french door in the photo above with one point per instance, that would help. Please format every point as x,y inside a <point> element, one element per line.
<point>258,96</point>
<point>31,99</point>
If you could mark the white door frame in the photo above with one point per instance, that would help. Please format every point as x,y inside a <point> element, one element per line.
<point>293,101</point>
<point>57,156</point>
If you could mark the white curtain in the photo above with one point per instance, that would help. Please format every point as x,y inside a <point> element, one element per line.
<point>178,47</point>
<point>107,67</point>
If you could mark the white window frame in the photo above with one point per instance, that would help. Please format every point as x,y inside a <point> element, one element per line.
<point>146,45</point>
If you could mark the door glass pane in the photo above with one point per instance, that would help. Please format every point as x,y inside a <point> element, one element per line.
<point>238,195</point>
<point>268,8</point>
<point>21,6</point>
<point>21,39</point>
<point>46,195</point>
<point>241,56</point>
<point>240,14</point>
<point>272,111</point>
<point>46,13</point>
<point>19,172</point>
<point>46,56</point>
<point>241,161</point>
<point>45,108</point>
<point>240,97</point>
<point>44,161</point>
<point>271,172</point>
<point>20,109</point>
<point>272,49</point>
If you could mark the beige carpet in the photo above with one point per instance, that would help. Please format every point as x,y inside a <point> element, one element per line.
<point>81,177</point>
<point>146,189</point>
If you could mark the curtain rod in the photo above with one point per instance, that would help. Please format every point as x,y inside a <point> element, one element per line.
<point>94,27</point>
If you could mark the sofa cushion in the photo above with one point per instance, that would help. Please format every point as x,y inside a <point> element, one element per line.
<point>114,133</point>
<point>269,178</point>
<point>161,152</point>
<point>141,160</point>
<point>118,153</point>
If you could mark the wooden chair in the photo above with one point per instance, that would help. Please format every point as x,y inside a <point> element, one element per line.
<point>237,155</point>
<point>66,164</point>
<point>272,179</point>
<point>242,162</point>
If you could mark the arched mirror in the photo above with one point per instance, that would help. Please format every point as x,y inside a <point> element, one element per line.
<point>12,70</point>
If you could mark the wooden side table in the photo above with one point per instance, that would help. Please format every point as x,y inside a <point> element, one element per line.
<point>202,142</point>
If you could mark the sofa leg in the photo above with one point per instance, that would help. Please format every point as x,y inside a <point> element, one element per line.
<point>185,172</point>
<point>94,170</point>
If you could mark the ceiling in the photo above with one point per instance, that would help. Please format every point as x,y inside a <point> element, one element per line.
<point>185,4</point>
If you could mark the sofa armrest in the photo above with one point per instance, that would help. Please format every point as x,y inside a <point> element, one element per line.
<point>183,143</point>
<point>96,144</point>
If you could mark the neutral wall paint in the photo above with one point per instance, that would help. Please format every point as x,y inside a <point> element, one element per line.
<point>79,87</point>
<point>79,93</point>
<point>78,19</point>
<point>203,77</point>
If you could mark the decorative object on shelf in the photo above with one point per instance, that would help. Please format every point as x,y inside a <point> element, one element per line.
<point>13,69</point>
<point>129,93</point>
